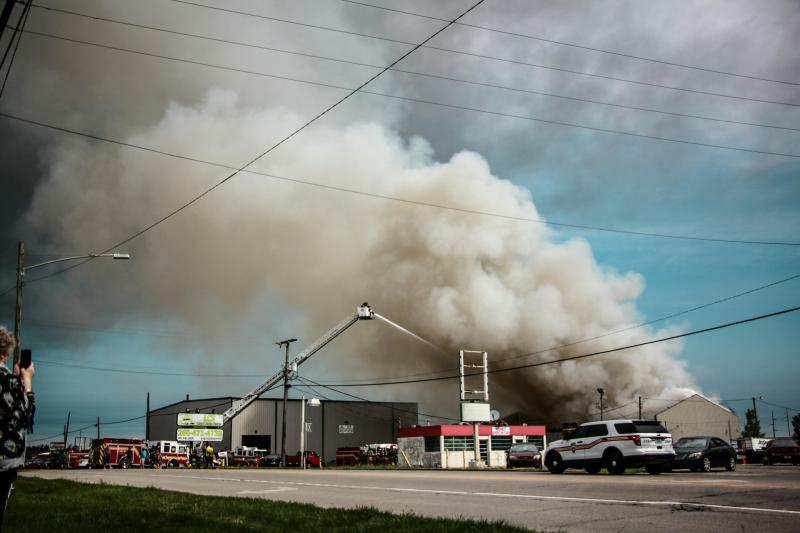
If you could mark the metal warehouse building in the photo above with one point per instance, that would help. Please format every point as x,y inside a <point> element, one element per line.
<point>333,424</point>
<point>697,415</point>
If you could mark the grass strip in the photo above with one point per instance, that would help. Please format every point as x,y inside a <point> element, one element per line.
<point>38,505</point>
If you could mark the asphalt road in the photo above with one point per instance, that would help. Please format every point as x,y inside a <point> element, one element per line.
<point>754,498</point>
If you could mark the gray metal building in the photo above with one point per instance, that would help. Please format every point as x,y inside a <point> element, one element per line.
<point>334,424</point>
<point>698,415</point>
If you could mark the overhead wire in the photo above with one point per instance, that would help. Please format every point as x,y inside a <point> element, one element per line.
<point>363,193</point>
<point>538,352</point>
<point>114,422</point>
<point>331,388</point>
<point>583,47</point>
<point>487,57</point>
<point>273,147</point>
<point>415,100</point>
<point>607,334</point>
<point>356,192</point>
<point>410,72</point>
<point>577,357</point>
<point>20,28</point>
<point>47,362</point>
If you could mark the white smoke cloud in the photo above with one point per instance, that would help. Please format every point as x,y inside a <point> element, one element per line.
<point>457,279</point>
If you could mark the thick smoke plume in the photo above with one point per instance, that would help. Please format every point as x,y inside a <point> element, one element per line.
<point>459,280</point>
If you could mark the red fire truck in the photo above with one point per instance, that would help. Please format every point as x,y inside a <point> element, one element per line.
<point>115,452</point>
<point>173,454</point>
<point>246,456</point>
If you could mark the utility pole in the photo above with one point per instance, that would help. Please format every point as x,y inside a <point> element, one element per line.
<point>640,407</point>
<point>602,392</point>
<point>788,427</point>
<point>147,419</point>
<point>18,308</point>
<point>66,430</point>
<point>285,344</point>
<point>773,424</point>
<point>755,413</point>
<point>98,427</point>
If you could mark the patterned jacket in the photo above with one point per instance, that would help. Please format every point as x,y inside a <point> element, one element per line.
<point>14,420</point>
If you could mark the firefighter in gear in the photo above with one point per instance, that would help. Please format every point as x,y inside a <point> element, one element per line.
<point>209,456</point>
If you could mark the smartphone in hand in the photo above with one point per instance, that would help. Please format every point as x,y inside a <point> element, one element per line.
<point>25,359</point>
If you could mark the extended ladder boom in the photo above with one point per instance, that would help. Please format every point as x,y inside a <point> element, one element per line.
<point>364,312</point>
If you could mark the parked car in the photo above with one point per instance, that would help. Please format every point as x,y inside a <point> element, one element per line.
<point>703,453</point>
<point>270,460</point>
<point>614,445</point>
<point>782,451</point>
<point>523,454</point>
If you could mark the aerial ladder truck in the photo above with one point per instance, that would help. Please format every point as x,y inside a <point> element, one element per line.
<point>363,312</point>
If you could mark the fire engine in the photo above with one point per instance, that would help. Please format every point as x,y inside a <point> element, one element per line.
<point>116,452</point>
<point>246,456</point>
<point>173,454</point>
<point>78,458</point>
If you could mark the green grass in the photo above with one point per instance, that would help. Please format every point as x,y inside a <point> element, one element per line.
<point>38,505</point>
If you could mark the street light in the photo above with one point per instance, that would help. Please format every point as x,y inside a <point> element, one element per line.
<point>602,392</point>
<point>22,269</point>
<point>312,402</point>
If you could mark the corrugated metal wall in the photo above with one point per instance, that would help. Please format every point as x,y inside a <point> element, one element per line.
<point>371,423</point>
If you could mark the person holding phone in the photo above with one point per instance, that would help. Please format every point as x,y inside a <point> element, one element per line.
<point>16,414</point>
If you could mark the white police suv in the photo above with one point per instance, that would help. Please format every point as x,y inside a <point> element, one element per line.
<point>614,445</point>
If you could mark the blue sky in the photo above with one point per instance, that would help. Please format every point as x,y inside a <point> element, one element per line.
<point>115,316</point>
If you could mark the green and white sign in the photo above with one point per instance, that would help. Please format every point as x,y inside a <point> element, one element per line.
<point>195,420</point>
<point>199,434</point>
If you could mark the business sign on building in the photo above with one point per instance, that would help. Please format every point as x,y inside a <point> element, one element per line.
<point>475,412</point>
<point>199,434</point>
<point>195,420</point>
<point>345,429</point>
<point>501,431</point>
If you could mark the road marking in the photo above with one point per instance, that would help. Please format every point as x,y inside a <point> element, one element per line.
<point>651,503</point>
<point>268,491</point>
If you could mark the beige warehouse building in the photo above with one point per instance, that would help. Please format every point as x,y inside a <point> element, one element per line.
<point>697,415</point>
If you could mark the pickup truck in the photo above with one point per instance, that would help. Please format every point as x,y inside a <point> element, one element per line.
<point>312,460</point>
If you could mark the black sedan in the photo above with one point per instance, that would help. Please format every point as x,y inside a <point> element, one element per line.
<point>703,453</point>
<point>270,460</point>
<point>524,454</point>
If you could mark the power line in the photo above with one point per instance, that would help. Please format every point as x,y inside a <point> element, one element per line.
<point>329,387</point>
<point>575,357</point>
<point>667,317</point>
<point>410,72</point>
<point>376,196</point>
<point>776,405</point>
<point>574,45</point>
<point>268,150</point>
<point>18,29</point>
<point>398,199</point>
<point>144,372</point>
<point>410,99</point>
<point>488,57</point>
<point>649,322</point>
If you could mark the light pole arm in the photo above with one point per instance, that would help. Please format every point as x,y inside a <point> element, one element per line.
<point>74,257</point>
<point>21,269</point>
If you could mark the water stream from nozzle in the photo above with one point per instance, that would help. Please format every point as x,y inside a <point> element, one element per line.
<point>404,330</point>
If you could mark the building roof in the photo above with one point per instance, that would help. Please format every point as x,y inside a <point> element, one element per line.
<point>458,430</point>
<point>697,397</point>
